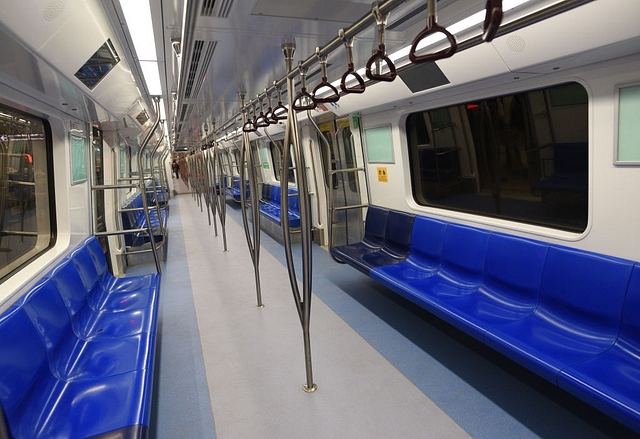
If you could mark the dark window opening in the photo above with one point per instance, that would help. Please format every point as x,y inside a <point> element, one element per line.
<point>521,157</point>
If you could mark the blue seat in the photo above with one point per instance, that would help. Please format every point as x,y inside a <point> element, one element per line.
<point>69,370</point>
<point>73,358</point>
<point>509,290</point>
<point>374,229</point>
<point>106,292</point>
<point>611,381</point>
<point>271,205</point>
<point>577,317</point>
<point>396,241</point>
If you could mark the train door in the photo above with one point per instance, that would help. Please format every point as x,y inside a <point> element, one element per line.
<point>344,180</point>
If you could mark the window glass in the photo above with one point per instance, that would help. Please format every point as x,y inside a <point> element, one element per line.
<point>26,216</point>
<point>522,157</point>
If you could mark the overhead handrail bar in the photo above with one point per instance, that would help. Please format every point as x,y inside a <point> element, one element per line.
<point>432,28</point>
<point>492,19</point>
<point>292,141</point>
<point>388,5</point>
<point>324,85</point>
<point>351,69</point>
<point>253,241</point>
<point>380,55</point>
<point>303,100</point>
<point>280,111</point>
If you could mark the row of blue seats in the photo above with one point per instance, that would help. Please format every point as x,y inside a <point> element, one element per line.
<point>77,352</point>
<point>270,204</point>
<point>234,190</point>
<point>135,219</point>
<point>566,314</point>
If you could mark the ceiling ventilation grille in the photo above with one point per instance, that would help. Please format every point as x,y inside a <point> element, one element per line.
<point>193,68</point>
<point>204,66</point>
<point>198,69</point>
<point>186,110</point>
<point>216,8</point>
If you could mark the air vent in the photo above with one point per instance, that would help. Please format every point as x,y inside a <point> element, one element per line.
<point>142,117</point>
<point>197,69</point>
<point>186,110</point>
<point>97,67</point>
<point>216,8</point>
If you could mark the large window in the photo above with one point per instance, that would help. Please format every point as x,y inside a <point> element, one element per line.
<point>522,157</point>
<point>26,214</point>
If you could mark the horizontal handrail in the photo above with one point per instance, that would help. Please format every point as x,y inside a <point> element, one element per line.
<point>354,206</point>
<point>338,171</point>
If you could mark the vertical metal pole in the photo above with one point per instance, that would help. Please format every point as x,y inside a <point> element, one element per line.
<point>254,245</point>
<point>303,304</point>
<point>145,205</point>
<point>219,191</point>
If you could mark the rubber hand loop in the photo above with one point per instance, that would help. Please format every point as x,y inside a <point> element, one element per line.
<point>432,28</point>
<point>492,19</point>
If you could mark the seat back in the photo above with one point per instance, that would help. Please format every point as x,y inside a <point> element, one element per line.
<point>513,266</point>
<point>463,252</point>
<point>375,226</point>
<point>584,289</point>
<point>427,240</point>
<point>630,327</point>
<point>70,286</point>
<point>22,358</point>
<point>397,234</point>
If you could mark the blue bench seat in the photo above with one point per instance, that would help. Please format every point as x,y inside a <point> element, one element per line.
<point>566,314</point>
<point>396,241</point>
<point>75,369</point>
<point>610,381</point>
<point>234,190</point>
<point>136,219</point>
<point>270,205</point>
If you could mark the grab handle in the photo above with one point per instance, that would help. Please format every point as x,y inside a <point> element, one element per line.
<point>324,84</point>
<point>380,56</point>
<point>492,19</point>
<point>280,111</point>
<point>303,100</point>
<point>249,126</point>
<point>432,28</point>
<point>260,121</point>
<point>351,71</point>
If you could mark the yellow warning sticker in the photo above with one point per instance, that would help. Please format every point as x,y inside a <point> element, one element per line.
<point>382,174</point>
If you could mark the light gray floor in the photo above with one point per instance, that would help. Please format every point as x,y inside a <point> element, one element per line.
<point>254,357</point>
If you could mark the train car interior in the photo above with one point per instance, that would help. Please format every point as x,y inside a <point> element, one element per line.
<point>319,219</point>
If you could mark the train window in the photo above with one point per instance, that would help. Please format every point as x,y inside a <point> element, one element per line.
<point>26,213</point>
<point>521,157</point>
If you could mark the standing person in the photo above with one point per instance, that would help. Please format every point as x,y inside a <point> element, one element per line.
<point>176,169</point>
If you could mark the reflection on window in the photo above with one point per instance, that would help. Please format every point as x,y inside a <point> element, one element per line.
<point>522,157</point>
<point>26,217</point>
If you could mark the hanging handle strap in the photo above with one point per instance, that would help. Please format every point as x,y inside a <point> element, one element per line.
<point>303,100</point>
<point>432,28</point>
<point>324,85</point>
<point>269,113</point>
<point>261,120</point>
<point>280,111</point>
<point>380,56</point>
<point>351,71</point>
<point>492,19</point>
<point>249,126</point>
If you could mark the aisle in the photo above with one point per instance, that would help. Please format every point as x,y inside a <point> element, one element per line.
<point>254,359</point>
